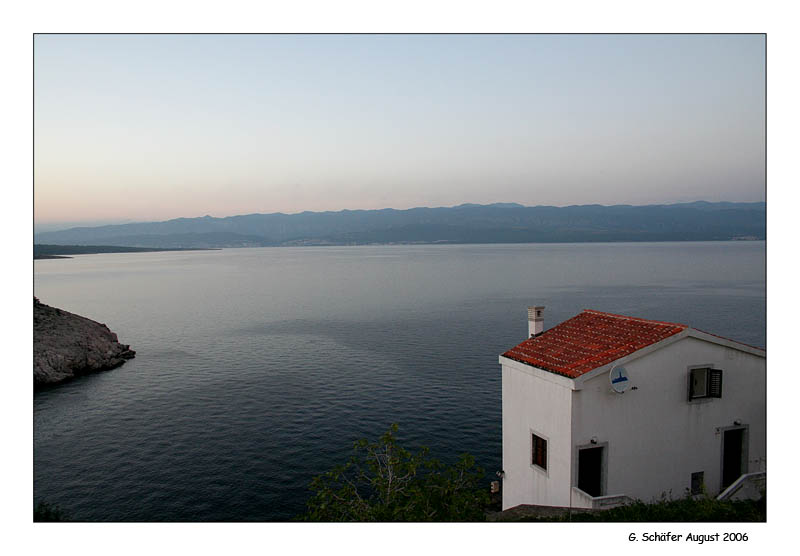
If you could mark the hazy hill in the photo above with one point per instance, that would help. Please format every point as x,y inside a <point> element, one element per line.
<point>44,251</point>
<point>469,223</point>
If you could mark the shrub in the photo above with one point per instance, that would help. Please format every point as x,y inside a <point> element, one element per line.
<point>384,482</point>
<point>48,512</point>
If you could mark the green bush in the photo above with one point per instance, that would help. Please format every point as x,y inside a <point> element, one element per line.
<point>48,512</point>
<point>384,482</point>
<point>683,510</point>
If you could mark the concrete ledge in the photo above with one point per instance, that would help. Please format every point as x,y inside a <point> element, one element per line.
<point>582,500</point>
<point>581,503</point>
<point>747,487</point>
<point>524,511</point>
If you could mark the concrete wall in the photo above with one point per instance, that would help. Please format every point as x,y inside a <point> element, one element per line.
<point>655,437</point>
<point>539,402</point>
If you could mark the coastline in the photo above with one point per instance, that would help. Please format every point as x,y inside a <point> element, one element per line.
<point>66,345</point>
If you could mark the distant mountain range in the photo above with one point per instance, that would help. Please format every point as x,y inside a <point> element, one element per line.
<point>468,223</point>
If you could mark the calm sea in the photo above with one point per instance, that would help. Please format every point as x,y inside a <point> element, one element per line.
<point>257,369</point>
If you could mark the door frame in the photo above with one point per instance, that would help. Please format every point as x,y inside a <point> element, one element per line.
<point>603,465</point>
<point>744,467</point>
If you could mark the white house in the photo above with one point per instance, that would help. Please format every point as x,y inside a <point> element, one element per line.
<point>603,408</point>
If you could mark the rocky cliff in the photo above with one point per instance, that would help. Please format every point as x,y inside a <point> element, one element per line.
<point>66,345</point>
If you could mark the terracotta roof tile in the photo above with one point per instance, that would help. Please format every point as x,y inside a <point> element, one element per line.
<point>590,340</point>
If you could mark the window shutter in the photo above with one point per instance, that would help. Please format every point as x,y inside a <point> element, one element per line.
<point>715,383</point>
<point>539,451</point>
<point>543,453</point>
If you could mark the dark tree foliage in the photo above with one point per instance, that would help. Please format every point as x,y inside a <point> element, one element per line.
<point>48,512</point>
<point>385,482</point>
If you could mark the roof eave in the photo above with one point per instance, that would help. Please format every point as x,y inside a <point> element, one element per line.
<point>719,340</point>
<point>527,368</point>
<point>630,357</point>
<point>686,333</point>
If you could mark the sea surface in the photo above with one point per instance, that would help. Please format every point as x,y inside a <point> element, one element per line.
<point>257,369</point>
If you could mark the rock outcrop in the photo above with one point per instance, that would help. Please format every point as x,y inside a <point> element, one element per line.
<point>66,345</point>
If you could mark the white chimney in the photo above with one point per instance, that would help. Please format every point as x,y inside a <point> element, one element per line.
<point>535,321</point>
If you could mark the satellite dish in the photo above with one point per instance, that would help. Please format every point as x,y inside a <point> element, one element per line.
<point>618,377</point>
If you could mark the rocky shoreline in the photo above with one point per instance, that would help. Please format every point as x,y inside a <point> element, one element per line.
<point>66,345</point>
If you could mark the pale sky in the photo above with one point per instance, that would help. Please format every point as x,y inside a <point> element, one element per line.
<point>152,127</point>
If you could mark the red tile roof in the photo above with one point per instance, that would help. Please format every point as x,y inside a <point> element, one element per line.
<point>590,340</point>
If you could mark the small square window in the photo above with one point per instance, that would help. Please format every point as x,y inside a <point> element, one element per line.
<point>705,383</point>
<point>538,451</point>
<point>697,482</point>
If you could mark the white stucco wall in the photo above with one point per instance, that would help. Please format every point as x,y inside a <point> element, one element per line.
<point>539,402</point>
<point>656,437</point>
